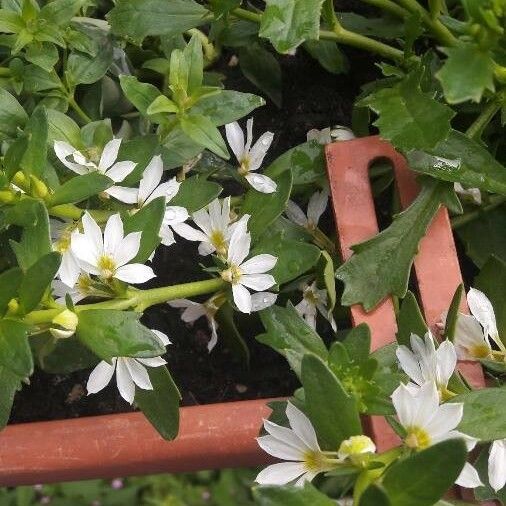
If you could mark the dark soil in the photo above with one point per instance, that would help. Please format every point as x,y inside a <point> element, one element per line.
<point>312,98</point>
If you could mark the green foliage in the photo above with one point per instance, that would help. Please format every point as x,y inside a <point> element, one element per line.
<point>292,496</point>
<point>409,320</point>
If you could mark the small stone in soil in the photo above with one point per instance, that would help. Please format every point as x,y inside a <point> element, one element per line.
<point>240,388</point>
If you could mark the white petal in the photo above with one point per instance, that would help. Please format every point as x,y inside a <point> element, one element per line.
<point>302,426</point>
<point>249,135</point>
<point>258,282</point>
<point>161,336</point>
<point>242,298</point>
<point>206,248</point>
<point>482,310</point>
<point>150,178</point>
<point>239,246</point>
<point>214,335</point>
<point>295,213</point>
<point>84,250</point>
<point>235,138</point>
<point>259,150</point>
<point>203,220</point>
<point>190,233</point>
<point>169,190</point>
<point>280,474</point>
<point>152,362</point>
<point>468,335</point>
<point>113,234</point>
<point>94,233</point>
<point>124,194</point>
<point>134,273</point>
<point>287,436</point>
<point>166,235</point>
<point>446,357</point>
<point>317,205</point>
<point>262,300</point>
<point>497,465</point>
<point>100,376</point>
<point>469,477</point>
<point>109,154</point>
<point>261,183</point>
<point>444,419</point>
<point>127,248</point>
<point>259,264</point>
<point>280,449</point>
<point>62,150</point>
<point>120,171</point>
<point>138,373</point>
<point>409,364</point>
<point>124,381</point>
<point>69,269</point>
<point>175,215</point>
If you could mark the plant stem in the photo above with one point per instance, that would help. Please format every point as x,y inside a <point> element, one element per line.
<point>73,212</point>
<point>72,102</point>
<point>486,115</point>
<point>440,32</point>
<point>460,221</point>
<point>323,241</point>
<point>341,35</point>
<point>389,6</point>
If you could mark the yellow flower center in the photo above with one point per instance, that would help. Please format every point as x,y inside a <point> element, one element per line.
<point>244,167</point>
<point>106,266</point>
<point>417,438</point>
<point>479,351</point>
<point>63,243</point>
<point>314,461</point>
<point>84,284</point>
<point>218,241</point>
<point>311,296</point>
<point>232,274</point>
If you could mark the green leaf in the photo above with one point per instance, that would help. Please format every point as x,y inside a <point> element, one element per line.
<point>294,257</point>
<point>15,353</point>
<point>147,220</point>
<point>10,384</point>
<point>290,495</point>
<point>139,18</point>
<point>83,68</point>
<point>261,68</point>
<point>409,118</point>
<point>288,23</point>
<point>328,54</point>
<point>60,12</point>
<point>160,405</point>
<point>62,128</point>
<point>380,266</point>
<point>486,493</point>
<point>112,333</point>
<point>202,130</point>
<point>36,79</point>
<point>410,320</point>
<point>36,281</point>
<point>9,284</point>
<point>326,267</point>
<point>195,193</point>
<point>142,95</point>
<point>36,133</point>
<point>10,22</point>
<point>12,115</point>
<point>422,478</point>
<point>358,343</point>
<point>140,150</point>
<point>230,335</point>
<point>290,335</point>
<point>374,495</point>
<point>162,104</point>
<point>459,159</point>
<point>178,149</point>
<point>80,188</point>
<point>467,73</point>
<point>332,411</point>
<point>194,58</point>
<point>43,54</point>
<point>453,313</point>
<point>227,106</point>
<point>264,208</point>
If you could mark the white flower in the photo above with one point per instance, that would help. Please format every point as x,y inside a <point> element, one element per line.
<point>214,224</point>
<point>423,363</point>
<point>249,274</point>
<point>316,206</point>
<point>473,333</point>
<point>320,136</point>
<point>106,164</point>
<point>69,269</point>
<point>314,299</point>
<point>250,158</point>
<point>473,193</point>
<point>497,465</point>
<point>129,372</point>
<point>66,322</point>
<point>297,444</point>
<point>150,189</point>
<point>341,133</point>
<point>327,135</point>
<point>108,256</point>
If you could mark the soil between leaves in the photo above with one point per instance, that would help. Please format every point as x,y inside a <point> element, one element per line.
<point>312,98</point>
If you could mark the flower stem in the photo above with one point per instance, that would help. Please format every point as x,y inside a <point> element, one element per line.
<point>485,117</point>
<point>460,221</point>
<point>389,6</point>
<point>77,108</point>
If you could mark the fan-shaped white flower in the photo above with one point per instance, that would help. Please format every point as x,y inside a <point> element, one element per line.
<point>474,333</point>
<point>109,256</point>
<point>243,274</point>
<point>250,158</point>
<point>316,207</point>
<point>298,445</point>
<point>327,135</point>
<point>424,363</point>
<point>129,371</point>
<point>313,300</point>
<point>60,236</point>
<point>74,160</point>
<point>497,464</point>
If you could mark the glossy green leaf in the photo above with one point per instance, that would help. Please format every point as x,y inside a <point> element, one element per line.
<point>358,343</point>
<point>374,495</point>
<point>139,18</point>
<point>290,335</point>
<point>458,158</point>
<point>12,115</point>
<point>230,335</point>
<point>147,220</point>
<point>409,118</point>
<point>410,320</point>
<point>162,104</point>
<point>160,405</point>
<point>142,95</point>
<point>467,73</point>
<point>380,266</point>
<point>112,333</point>
<point>195,193</point>
<point>326,268</point>
<point>43,54</point>
<point>10,21</point>
<point>62,128</point>
<point>328,54</point>
<point>288,23</point>
<point>9,284</point>
<point>15,353</point>
<point>37,279</point>
<point>194,57</point>
<point>333,412</point>
<point>11,383</point>
<point>261,68</point>
<point>80,188</point>
<point>36,134</point>
<point>453,313</point>
<point>486,493</point>
<point>289,495</point>
<point>227,106</point>
<point>178,149</point>
<point>202,130</point>
<point>140,150</point>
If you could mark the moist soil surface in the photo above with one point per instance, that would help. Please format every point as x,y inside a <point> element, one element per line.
<point>312,98</point>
